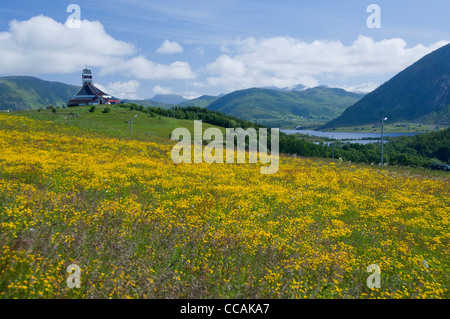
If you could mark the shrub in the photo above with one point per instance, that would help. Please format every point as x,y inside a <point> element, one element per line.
<point>92,109</point>
<point>106,110</point>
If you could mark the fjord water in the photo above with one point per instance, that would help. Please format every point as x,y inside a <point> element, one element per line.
<point>351,136</point>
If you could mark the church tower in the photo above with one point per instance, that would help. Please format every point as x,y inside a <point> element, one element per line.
<point>86,76</point>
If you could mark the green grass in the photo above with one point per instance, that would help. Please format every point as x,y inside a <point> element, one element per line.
<point>114,123</point>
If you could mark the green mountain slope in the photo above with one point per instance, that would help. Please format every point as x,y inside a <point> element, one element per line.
<point>26,92</point>
<point>202,101</point>
<point>319,103</point>
<point>168,98</point>
<point>420,93</point>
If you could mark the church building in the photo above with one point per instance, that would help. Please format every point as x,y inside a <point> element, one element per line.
<point>89,94</point>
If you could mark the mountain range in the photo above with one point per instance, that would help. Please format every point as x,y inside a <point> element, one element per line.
<point>419,93</point>
<point>26,92</point>
<point>320,103</point>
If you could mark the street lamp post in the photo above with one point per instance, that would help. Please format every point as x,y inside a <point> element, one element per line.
<point>382,135</point>
<point>332,145</point>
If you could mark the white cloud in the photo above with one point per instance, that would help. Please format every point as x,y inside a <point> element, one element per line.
<point>286,61</point>
<point>169,47</point>
<point>361,88</point>
<point>199,51</point>
<point>122,90</point>
<point>141,68</point>
<point>157,89</point>
<point>42,45</point>
<point>191,95</point>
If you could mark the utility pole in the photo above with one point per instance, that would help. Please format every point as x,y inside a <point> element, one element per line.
<point>382,135</point>
<point>332,146</point>
<point>131,124</point>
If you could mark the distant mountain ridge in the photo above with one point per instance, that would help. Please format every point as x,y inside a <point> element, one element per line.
<point>27,93</point>
<point>419,93</point>
<point>168,98</point>
<point>202,101</point>
<point>257,103</point>
<point>294,88</point>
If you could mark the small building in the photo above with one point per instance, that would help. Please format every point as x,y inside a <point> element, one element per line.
<point>89,94</point>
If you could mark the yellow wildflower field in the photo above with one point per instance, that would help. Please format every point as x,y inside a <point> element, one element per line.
<point>140,226</point>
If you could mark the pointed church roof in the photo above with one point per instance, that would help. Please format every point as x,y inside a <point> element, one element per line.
<point>89,89</point>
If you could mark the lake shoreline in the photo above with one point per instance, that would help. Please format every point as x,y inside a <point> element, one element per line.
<point>346,135</point>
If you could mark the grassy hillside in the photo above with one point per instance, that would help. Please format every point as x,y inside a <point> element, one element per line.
<point>420,93</point>
<point>150,103</point>
<point>114,123</point>
<point>140,226</point>
<point>26,93</point>
<point>263,104</point>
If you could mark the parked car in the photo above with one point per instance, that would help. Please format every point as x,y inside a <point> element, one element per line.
<point>439,167</point>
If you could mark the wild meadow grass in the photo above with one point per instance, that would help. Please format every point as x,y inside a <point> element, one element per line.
<point>115,123</point>
<point>140,226</point>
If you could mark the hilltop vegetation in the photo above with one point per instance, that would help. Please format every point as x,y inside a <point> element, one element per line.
<point>148,102</point>
<point>140,226</point>
<point>421,148</point>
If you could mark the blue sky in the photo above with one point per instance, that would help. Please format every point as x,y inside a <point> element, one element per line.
<point>138,48</point>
